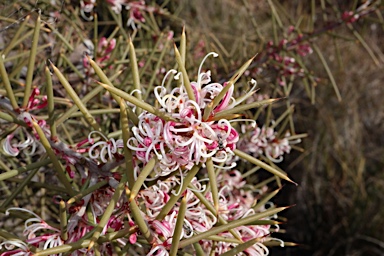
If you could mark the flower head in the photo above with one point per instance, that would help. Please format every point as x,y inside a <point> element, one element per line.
<point>190,139</point>
<point>264,141</point>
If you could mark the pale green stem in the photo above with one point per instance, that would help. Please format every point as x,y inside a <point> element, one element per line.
<point>230,83</point>
<point>264,183</point>
<point>265,199</point>
<point>19,189</point>
<point>211,208</point>
<point>4,167</point>
<point>174,198</point>
<point>278,243</point>
<point>183,47</point>
<point>56,164</point>
<point>47,186</point>
<point>11,119</point>
<point>95,34</point>
<point>60,36</point>
<point>139,221</point>
<point>118,19</point>
<point>199,251</point>
<point>96,112</point>
<point>252,171</point>
<point>87,191</point>
<point>23,54</point>
<point>138,103</point>
<point>127,152</point>
<point>31,63</point>
<point>13,42</point>
<point>108,211</point>
<point>156,69</point>
<point>230,225</point>
<point>13,173</point>
<point>63,221</point>
<point>135,71</point>
<point>13,21</point>
<point>179,227</point>
<point>7,236</point>
<point>70,64</point>
<point>84,243</point>
<point>186,82</point>
<point>282,116</point>
<point>99,72</point>
<point>213,184</point>
<point>88,117</point>
<point>63,248</point>
<point>290,117</point>
<point>148,168</point>
<point>328,70</point>
<point>74,108</point>
<point>242,108</point>
<point>7,84</point>
<point>51,103</point>
<point>148,61</point>
<point>263,165</point>
<point>242,247</point>
<point>275,13</point>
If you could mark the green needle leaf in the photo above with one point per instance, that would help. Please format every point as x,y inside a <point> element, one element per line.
<point>186,82</point>
<point>88,117</point>
<point>7,84</point>
<point>142,176</point>
<point>262,165</point>
<point>213,183</point>
<point>31,62</point>
<point>56,164</point>
<point>137,102</point>
<point>179,227</point>
<point>230,225</point>
<point>108,211</point>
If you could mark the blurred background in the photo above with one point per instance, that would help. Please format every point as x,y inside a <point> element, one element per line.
<point>339,202</point>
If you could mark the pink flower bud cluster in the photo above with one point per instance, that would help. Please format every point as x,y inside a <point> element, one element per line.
<point>104,50</point>
<point>280,58</point>
<point>284,64</point>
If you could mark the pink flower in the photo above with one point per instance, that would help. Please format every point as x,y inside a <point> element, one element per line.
<point>263,141</point>
<point>108,147</point>
<point>15,142</point>
<point>20,250</point>
<point>38,232</point>
<point>13,149</point>
<point>86,8</point>
<point>189,140</point>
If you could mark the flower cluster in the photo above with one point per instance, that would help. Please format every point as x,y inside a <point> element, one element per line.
<point>189,139</point>
<point>39,234</point>
<point>263,141</point>
<point>286,65</point>
<point>135,9</point>
<point>104,149</point>
<point>86,9</point>
<point>235,203</point>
